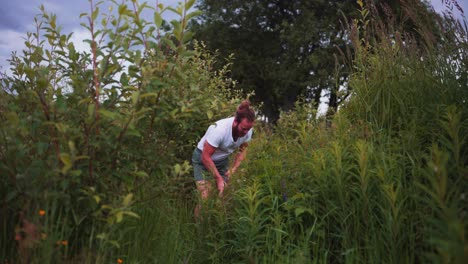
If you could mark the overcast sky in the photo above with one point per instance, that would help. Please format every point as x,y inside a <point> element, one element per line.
<point>17,18</point>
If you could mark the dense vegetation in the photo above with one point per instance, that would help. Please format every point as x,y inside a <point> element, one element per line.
<point>288,49</point>
<point>94,150</point>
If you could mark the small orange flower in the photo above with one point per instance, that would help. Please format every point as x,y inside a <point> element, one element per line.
<point>61,242</point>
<point>41,212</point>
<point>120,261</point>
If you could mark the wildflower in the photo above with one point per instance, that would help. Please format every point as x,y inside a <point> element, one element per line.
<point>43,236</point>
<point>120,261</point>
<point>61,242</point>
<point>41,212</point>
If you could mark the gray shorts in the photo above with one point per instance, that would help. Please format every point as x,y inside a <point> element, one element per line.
<point>201,173</point>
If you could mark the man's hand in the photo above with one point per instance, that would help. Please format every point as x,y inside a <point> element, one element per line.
<point>229,173</point>
<point>207,152</point>
<point>237,161</point>
<point>220,184</point>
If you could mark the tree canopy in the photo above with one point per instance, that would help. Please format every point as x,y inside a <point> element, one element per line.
<point>282,49</point>
<point>286,49</point>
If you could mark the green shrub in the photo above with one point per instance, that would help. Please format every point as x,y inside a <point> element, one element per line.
<point>85,134</point>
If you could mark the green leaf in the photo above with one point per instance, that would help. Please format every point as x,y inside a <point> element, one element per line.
<point>122,9</point>
<point>135,97</point>
<point>127,200</point>
<point>97,199</point>
<point>67,162</point>
<point>189,4</point>
<point>29,73</point>
<point>177,169</point>
<point>142,6</point>
<point>119,217</point>
<point>209,114</point>
<point>91,110</point>
<point>187,36</point>
<point>71,146</point>
<point>300,210</point>
<point>193,14</point>
<point>141,113</point>
<point>133,71</point>
<point>169,42</point>
<point>133,132</point>
<point>132,214</point>
<point>188,53</point>
<point>114,243</point>
<point>81,157</point>
<point>177,26</point>
<point>123,28</point>
<point>53,21</point>
<point>86,100</point>
<point>108,114</point>
<point>95,14</point>
<point>140,174</point>
<point>124,79</point>
<point>157,19</point>
<point>102,236</point>
<point>178,11</point>
<point>75,173</point>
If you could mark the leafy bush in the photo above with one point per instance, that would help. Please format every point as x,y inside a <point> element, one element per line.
<point>86,134</point>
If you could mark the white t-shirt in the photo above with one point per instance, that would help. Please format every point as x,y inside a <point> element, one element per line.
<point>219,135</point>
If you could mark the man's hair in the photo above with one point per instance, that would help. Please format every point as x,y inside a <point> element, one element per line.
<point>245,111</point>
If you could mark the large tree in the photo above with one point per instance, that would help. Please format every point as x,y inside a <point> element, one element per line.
<point>282,48</point>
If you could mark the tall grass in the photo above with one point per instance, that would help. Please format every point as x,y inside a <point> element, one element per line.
<point>163,235</point>
<point>348,201</point>
<point>386,183</point>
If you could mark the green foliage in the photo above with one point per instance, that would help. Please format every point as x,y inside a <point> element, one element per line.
<point>340,195</point>
<point>282,49</point>
<point>94,148</point>
<point>84,132</point>
<point>403,83</point>
<point>384,182</point>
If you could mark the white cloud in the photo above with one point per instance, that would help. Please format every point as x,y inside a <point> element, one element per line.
<point>79,35</point>
<point>53,7</point>
<point>12,41</point>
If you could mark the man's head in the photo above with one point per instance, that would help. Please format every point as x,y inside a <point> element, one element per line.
<point>243,127</point>
<point>245,111</point>
<point>245,118</point>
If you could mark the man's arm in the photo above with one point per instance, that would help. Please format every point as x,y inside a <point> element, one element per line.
<point>240,156</point>
<point>207,152</point>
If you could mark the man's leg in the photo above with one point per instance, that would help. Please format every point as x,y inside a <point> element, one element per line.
<point>204,189</point>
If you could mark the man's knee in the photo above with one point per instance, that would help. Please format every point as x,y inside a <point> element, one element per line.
<point>204,188</point>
